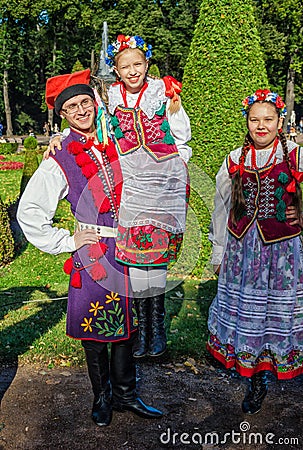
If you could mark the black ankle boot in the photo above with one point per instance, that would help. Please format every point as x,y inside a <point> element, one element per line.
<point>123,379</point>
<point>257,392</point>
<point>157,341</point>
<point>141,344</point>
<point>102,410</point>
<point>98,370</point>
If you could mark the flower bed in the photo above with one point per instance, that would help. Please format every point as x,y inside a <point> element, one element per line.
<point>10,165</point>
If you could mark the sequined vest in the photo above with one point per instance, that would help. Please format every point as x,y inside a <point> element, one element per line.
<point>133,129</point>
<point>266,200</point>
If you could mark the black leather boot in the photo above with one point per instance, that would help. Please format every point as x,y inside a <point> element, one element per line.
<point>123,379</point>
<point>141,343</point>
<point>98,370</point>
<point>157,340</point>
<point>257,392</point>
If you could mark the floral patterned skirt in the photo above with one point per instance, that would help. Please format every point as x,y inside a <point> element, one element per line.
<point>147,246</point>
<point>256,318</point>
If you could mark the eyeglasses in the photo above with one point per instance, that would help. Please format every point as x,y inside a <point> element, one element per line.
<point>73,108</point>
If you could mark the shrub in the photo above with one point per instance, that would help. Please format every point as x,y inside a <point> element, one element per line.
<point>7,148</point>
<point>6,237</point>
<point>225,64</point>
<point>31,162</point>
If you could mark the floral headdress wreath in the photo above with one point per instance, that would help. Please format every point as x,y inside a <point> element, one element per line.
<point>264,95</point>
<point>124,42</point>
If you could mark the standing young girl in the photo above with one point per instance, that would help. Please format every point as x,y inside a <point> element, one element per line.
<point>151,132</point>
<point>255,320</point>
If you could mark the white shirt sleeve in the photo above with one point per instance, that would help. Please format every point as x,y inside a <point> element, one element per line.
<point>180,130</point>
<point>37,208</point>
<point>218,226</point>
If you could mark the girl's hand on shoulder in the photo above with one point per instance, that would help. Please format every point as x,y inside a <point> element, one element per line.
<point>54,143</point>
<point>85,237</point>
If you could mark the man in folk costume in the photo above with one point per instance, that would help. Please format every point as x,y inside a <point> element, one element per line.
<point>100,308</point>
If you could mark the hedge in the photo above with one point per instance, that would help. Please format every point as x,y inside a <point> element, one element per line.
<point>225,64</point>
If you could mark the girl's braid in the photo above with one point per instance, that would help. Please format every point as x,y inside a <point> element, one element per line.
<point>298,194</point>
<point>237,196</point>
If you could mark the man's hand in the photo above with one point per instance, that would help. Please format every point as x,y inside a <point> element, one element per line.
<point>55,142</point>
<point>85,237</point>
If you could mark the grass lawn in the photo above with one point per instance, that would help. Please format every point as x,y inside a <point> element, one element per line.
<point>33,291</point>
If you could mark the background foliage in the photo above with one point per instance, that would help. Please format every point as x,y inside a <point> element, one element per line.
<point>44,38</point>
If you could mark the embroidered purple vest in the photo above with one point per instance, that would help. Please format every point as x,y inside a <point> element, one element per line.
<point>266,200</point>
<point>133,129</point>
<point>101,310</point>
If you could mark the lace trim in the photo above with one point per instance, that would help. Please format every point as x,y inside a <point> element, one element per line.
<point>152,99</point>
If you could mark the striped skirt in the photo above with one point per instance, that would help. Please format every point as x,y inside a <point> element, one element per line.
<point>256,318</point>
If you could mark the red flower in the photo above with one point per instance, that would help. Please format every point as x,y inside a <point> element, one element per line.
<point>261,94</point>
<point>279,102</point>
<point>122,38</point>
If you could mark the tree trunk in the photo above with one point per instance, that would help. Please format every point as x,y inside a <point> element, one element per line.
<point>290,93</point>
<point>8,113</point>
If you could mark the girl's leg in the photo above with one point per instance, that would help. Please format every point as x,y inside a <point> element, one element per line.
<point>148,284</point>
<point>140,287</point>
<point>157,284</point>
<point>257,392</point>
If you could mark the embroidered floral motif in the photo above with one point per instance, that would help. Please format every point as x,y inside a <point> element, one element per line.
<point>111,322</point>
<point>112,297</point>
<point>95,308</point>
<point>87,324</point>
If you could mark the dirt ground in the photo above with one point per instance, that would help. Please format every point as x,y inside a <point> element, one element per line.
<point>50,409</point>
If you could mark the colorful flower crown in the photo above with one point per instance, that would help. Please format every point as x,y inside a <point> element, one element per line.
<point>264,95</point>
<point>124,42</point>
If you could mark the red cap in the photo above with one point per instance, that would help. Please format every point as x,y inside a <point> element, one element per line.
<point>56,85</point>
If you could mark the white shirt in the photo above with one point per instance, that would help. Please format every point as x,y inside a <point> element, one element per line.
<point>218,226</point>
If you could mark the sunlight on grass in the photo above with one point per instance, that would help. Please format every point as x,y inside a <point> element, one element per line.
<point>33,290</point>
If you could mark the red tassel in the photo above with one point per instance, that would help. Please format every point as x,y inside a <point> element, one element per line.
<point>105,205</point>
<point>97,250</point>
<point>68,265</point>
<point>75,148</point>
<point>76,281</point>
<point>111,151</point>
<point>82,159</point>
<point>89,170</point>
<point>98,272</point>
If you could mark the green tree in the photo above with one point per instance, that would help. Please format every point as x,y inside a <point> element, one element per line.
<point>281,30</point>
<point>6,237</point>
<point>225,64</point>
<point>31,162</point>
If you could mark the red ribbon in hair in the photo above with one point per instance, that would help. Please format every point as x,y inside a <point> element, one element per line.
<point>173,87</point>
<point>297,177</point>
<point>236,168</point>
